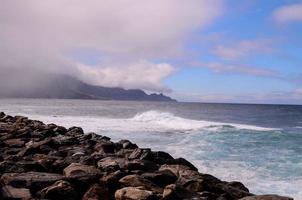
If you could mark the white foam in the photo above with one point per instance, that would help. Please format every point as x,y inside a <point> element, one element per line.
<point>155,121</point>
<point>168,120</point>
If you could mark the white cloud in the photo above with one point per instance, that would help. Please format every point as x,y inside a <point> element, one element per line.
<point>288,13</point>
<point>147,75</point>
<point>236,69</point>
<point>242,49</point>
<point>39,34</point>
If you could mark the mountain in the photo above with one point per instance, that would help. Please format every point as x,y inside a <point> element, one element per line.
<point>59,86</point>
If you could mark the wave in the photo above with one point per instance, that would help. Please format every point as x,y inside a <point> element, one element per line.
<point>149,121</point>
<point>168,120</point>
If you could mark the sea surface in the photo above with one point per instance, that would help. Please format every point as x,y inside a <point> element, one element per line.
<point>259,145</point>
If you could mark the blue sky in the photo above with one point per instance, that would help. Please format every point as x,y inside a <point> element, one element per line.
<point>270,45</point>
<point>247,51</point>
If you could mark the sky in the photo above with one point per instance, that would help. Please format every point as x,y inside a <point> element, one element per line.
<point>247,51</point>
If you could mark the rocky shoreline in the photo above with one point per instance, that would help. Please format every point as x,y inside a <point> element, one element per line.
<point>46,161</point>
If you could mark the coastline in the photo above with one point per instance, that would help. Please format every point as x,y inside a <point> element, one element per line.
<point>52,162</point>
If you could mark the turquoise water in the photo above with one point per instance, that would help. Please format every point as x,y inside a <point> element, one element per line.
<point>259,145</point>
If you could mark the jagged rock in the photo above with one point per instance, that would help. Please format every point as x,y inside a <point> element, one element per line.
<point>126,144</point>
<point>112,179</point>
<point>238,185</point>
<point>97,192</point>
<point>105,147</point>
<point>32,180</point>
<point>14,142</point>
<point>60,190</point>
<point>138,181</point>
<point>80,171</point>
<point>184,162</point>
<point>178,170</point>
<point>9,192</point>
<point>161,178</point>
<point>140,154</point>
<point>267,197</point>
<point>176,192</point>
<point>20,166</point>
<point>111,163</point>
<point>134,193</point>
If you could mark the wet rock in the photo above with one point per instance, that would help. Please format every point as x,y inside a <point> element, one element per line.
<point>176,192</point>
<point>134,193</point>
<point>112,179</point>
<point>80,171</point>
<point>126,144</point>
<point>33,180</point>
<point>64,140</point>
<point>178,170</point>
<point>267,197</point>
<point>60,190</point>
<point>111,163</point>
<point>9,192</point>
<point>161,178</point>
<point>14,142</point>
<point>2,114</point>
<point>238,185</point>
<point>138,181</point>
<point>140,154</point>
<point>105,147</point>
<point>75,131</point>
<point>97,192</point>
<point>20,166</point>
<point>184,162</point>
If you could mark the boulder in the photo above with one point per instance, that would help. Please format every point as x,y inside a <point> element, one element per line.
<point>60,190</point>
<point>138,181</point>
<point>161,178</point>
<point>80,171</point>
<point>97,192</point>
<point>134,193</point>
<point>111,164</point>
<point>112,179</point>
<point>32,180</point>
<point>176,192</point>
<point>126,144</point>
<point>9,192</point>
<point>18,142</point>
<point>266,197</point>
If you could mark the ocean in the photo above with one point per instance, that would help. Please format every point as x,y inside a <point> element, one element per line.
<point>259,145</point>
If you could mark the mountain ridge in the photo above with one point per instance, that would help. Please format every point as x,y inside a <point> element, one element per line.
<point>62,86</point>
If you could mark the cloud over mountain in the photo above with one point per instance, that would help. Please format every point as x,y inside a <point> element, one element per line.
<point>43,35</point>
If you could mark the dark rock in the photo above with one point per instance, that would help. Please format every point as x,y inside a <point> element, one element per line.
<point>134,193</point>
<point>20,166</point>
<point>97,192</point>
<point>33,180</point>
<point>112,179</point>
<point>111,163</point>
<point>138,181</point>
<point>14,142</point>
<point>2,114</point>
<point>60,190</point>
<point>80,171</point>
<point>9,192</point>
<point>75,131</point>
<point>182,161</point>
<point>161,178</point>
<point>176,192</point>
<point>140,154</point>
<point>126,144</point>
<point>238,185</point>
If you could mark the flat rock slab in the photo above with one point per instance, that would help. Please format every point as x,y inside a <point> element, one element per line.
<point>9,192</point>
<point>37,179</point>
